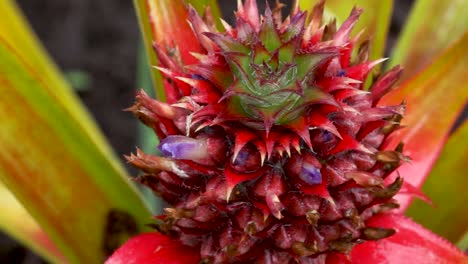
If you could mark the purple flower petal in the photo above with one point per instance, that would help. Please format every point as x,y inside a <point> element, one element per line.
<point>181,147</point>
<point>310,174</point>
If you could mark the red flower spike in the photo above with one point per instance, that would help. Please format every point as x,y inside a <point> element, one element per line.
<point>154,248</point>
<point>411,243</point>
<point>343,94</point>
<point>348,143</point>
<point>360,71</point>
<point>285,142</point>
<point>336,83</point>
<point>300,127</point>
<point>270,142</point>
<point>199,26</point>
<point>204,92</point>
<point>233,178</point>
<point>345,58</point>
<point>216,74</point>
<point>385,83</point>
<point>342,35</point>
<point>319,190</point>
<point>242,137</point>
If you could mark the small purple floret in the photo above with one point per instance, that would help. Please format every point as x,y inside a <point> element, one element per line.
<point>179,147</point>
<point>341,73</point>
<point>326,136</point>
<point>197,77</point>
<point>310,174</point>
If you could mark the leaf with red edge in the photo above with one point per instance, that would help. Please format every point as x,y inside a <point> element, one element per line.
<point>412,243</point>
<point>446,186</point>
<point>154,248</point>
<point>434,99</point>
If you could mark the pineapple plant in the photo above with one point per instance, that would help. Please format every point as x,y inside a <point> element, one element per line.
<point>272,148</point>
<point>282,141</point>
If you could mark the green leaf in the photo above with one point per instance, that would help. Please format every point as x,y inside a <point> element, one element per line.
<point>56,170</point>
<point>446,186</point>
<point>434,99</point>
<point>53,158</point>
<point>16,221</point>
<point>432,26</point>
<point>15,30</point>
<point>375,19</point>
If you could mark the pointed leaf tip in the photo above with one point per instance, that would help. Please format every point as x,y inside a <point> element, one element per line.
<point>375,19</point>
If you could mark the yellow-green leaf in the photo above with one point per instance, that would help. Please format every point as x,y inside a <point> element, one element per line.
<point>55,169</point>
<point>53,158</point>
<point>15,220</point>
<point>446,186</point>
<point>434,99</point>
<point>432,26</point>
<point>15,31</point>
<point>374,20</point>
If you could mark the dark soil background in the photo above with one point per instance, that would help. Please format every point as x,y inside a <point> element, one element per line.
<point>101,38</point>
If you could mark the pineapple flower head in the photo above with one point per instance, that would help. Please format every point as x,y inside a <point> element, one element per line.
<point>273,142</point>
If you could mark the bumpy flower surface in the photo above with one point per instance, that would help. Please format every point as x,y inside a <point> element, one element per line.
<point>272,148</point>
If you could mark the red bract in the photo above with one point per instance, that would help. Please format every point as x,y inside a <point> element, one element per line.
<point>412,243</point>
<point>154,248</point>
<point>274,151</point>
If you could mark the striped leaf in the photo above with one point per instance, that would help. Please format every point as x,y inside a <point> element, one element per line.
<point>432,26</point>
<point>53,158</point>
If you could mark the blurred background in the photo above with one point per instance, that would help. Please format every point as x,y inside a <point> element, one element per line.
<point>96,44</point>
